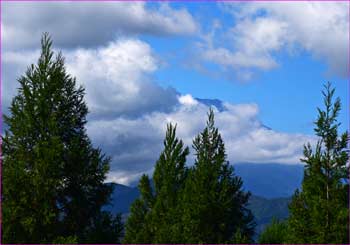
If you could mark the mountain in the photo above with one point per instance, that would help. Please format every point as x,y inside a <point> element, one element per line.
<point>221,107</point>
<point>122,198</point>
<point>213,102</point>
<point>271,185</point>
<point>270,180</point>
<point>263,209</point>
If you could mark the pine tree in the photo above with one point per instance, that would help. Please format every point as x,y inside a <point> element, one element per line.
<point>275,233</point>
<point>169,177</point>
<point>138,226</point>
<point>155,216</point>
<point>214,203</point>
<point>107,228</point>
<point>319,213</point>
<point>53,178</point>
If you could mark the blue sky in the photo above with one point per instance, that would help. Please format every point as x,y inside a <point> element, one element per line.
<point>144,64</point>
<point>287,95</point>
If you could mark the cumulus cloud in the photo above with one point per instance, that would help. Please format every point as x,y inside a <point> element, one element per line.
<point>117,78</point>
<point>261,30</point>
<point>13,64</point>
<point>89,24</point>
<point>135,144</point>
<point>130,111</point>
<point>254,42</point>
<point>187,100</point>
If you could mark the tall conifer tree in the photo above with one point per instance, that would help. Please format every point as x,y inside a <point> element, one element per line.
<point>155,215</point>
<point>53,178</point>
<point>169,178</point>
<point>214,204</point>
<point>138,227</point>
<point>275,233</point>
<point>319,212</point>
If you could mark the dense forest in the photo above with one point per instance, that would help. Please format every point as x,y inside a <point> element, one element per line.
<point>54,178</point>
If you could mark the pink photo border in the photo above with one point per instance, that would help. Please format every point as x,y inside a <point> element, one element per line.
<point>183,1</point>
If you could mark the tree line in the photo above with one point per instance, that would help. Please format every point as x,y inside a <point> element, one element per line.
<point>53,178</point>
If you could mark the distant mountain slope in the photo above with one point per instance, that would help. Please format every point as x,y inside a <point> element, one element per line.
<point>221,107</point>
<point>263,209</point>
<point>265,180</point>
<point>270,180</point>
<point>213,102</point>
<point>122,198</point>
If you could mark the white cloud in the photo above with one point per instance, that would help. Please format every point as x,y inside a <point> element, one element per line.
<point>238,59</point>
<point>130,112</point>
<point>13,64</point>
<point>117,78</point>
<point>89,24</point>
<point>135,144</point>
<point>253,43</point>
<point>263,29</point>
<point>124,178</point>
<point>187,100</point>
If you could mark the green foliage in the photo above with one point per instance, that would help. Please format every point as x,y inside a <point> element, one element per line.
<point>53,178</point>
<point>275,233</point>
<point>264,210</point>
<point>213,203</point>
<point>155,216</point>
<point>138,226</point>
<point>204,204</point>
<point>240,238</point>
<point>66,240</point>
<point>319,213</point>
<point>169,178</point>
<point>106,228</point>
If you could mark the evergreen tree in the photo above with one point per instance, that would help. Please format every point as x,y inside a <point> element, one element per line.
<point>138,226</point>
<point>155,216</point>
<point>169,177</point>
<point>319,213</point>
<point>214,204</point>
<point>275,233</point>
<point>52,176</point>
<point>107,228</point>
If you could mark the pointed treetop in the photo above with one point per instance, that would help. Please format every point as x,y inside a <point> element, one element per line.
<point>210,121</point>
